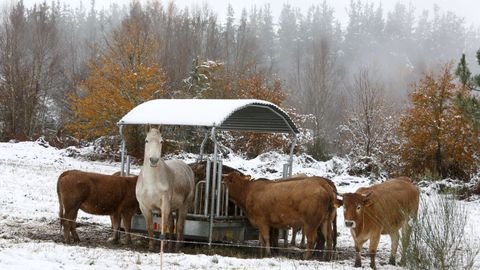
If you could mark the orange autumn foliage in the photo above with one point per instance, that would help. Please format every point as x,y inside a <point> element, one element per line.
<point>438,138</point>
<point>124,76</point>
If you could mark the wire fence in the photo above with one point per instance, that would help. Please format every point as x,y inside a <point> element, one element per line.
<point>162,238</point>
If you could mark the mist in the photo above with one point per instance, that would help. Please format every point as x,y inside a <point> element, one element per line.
<point>314,53</point>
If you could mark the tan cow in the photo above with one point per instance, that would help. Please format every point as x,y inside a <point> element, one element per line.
<point>380,209</point>
<point>302,203</point>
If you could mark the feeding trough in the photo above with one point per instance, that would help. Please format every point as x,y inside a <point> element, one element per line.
<point>211,219</point>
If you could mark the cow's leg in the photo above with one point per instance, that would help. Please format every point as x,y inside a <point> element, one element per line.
<point>115,228</point>
<point>394,237</point>
<point>127,223</point>
<point>285,237</point>
<point>320,246</point>
<point>265,239</point>
<point>70,218</point>
<point>334,229</point>
<point>311,234</point>
<point>274,236</point>
<point>181,217</point>
<point>372,249</point>
<point>406,231</point>
<point>358,248</point>
<point>327,233</point>
<point>66,230</point>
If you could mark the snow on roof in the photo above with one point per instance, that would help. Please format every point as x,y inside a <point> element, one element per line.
<point>228,114</point>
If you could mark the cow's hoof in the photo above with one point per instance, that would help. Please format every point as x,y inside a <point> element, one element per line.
<point>112,240</point>
<point>373,266</point>
<point>358,264</point>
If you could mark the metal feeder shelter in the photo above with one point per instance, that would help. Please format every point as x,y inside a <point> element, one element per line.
<point>211,219</point>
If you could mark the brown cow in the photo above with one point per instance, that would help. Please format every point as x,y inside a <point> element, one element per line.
<point>283,204</point>
<point>328,184</point>
<point>96,194</point>
<point>380,209</point>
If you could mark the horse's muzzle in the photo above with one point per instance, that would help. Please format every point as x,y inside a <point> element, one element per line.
<point>154,161</point>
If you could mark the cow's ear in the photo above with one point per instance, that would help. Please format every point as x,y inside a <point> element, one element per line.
<point>337,203</point>
<point>247,177</point>
<point>366,198</point>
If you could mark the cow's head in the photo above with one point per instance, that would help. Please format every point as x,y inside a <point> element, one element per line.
<point>235,177</point>
<point>237,184</point>
<point>353,208</point>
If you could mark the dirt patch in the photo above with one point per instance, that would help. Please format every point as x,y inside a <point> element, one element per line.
<point>95,235</point>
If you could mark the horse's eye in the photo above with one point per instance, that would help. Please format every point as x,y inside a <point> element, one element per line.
<point>146,141</point>
<point>359,207</point>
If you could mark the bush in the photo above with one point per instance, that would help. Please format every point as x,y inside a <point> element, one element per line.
<point>438,239</point>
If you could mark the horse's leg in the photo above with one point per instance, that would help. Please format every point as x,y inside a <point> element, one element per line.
<point>127,223</point>
<point>115,228</point>
<point>181,217</point>
<point>171,230</point>
<point>164,217</point>
<point>147,213</point>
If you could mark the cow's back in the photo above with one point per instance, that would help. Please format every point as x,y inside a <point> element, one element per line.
<point>392,203</point>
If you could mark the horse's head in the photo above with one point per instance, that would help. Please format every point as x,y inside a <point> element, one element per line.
<point>153,147</point>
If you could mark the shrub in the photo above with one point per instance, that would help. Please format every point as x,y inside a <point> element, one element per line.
<point>438,239</point>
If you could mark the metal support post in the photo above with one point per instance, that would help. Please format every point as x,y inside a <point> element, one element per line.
<point>212,205</point>
<point>122,151</point>
<point>219,185</point>
<point>202,146</point>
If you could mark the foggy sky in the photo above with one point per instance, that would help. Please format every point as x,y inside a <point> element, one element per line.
<point>463,8</point>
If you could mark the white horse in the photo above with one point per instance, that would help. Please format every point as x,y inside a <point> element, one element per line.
<point>163,185</point>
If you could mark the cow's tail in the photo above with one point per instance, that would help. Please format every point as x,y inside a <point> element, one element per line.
<point>61,211</point>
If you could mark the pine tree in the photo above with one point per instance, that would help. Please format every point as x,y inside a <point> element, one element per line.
<point>469,104</point>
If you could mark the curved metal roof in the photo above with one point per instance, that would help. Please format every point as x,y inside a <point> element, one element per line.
<point>227,114</point>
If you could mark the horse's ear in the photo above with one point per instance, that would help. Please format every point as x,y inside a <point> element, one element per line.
<point>159,127</point>
<point>146,128</point>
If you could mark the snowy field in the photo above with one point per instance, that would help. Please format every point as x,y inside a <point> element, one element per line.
<point>30,235</point>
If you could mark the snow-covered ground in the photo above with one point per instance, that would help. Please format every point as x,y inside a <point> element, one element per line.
<point>29,212</point>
